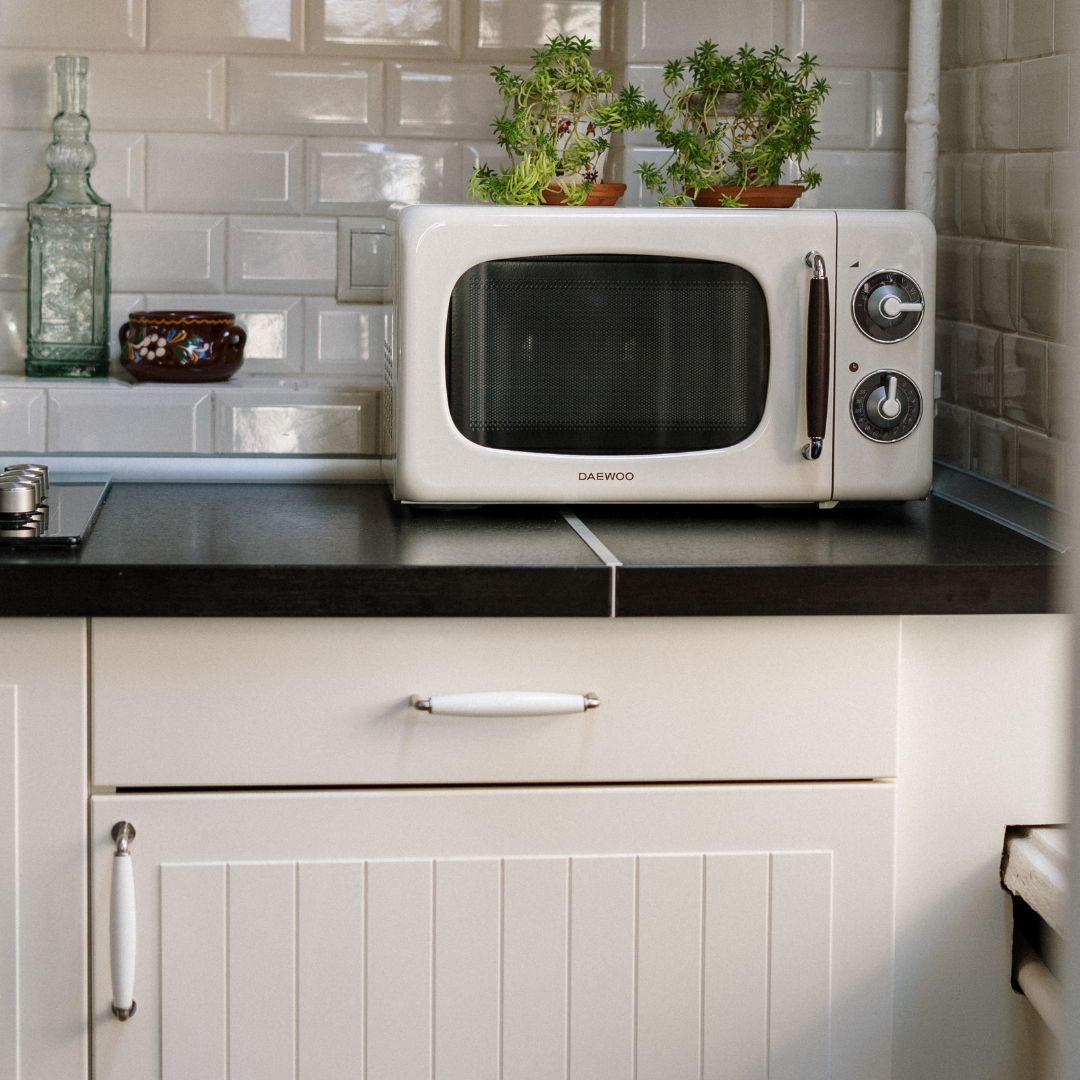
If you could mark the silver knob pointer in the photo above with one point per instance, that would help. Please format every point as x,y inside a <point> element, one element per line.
<point>892,306</point>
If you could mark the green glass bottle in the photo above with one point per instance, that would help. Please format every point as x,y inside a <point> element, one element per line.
<point>67,316</point>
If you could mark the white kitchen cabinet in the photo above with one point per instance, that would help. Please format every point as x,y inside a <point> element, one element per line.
<point>43,866</point>
<point>531,932</point>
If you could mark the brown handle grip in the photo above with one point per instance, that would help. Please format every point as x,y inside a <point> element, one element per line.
<point>817,365</point>
<point>124,331</point>
<point>237,332</point>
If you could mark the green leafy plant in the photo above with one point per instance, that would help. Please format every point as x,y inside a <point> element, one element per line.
<point>555,125</point>
<point>734,120</point>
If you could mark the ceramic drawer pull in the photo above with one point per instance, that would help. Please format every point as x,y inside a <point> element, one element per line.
<point>506,703</point>
<point>122,923</point>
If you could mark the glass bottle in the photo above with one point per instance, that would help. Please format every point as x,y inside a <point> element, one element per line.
<point>67,316</point>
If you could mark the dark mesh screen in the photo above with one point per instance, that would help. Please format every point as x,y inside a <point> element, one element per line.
<point>607,354</point>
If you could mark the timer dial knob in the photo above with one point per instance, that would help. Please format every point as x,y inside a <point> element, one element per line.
<point>886,406</point>
<point>887,306</point>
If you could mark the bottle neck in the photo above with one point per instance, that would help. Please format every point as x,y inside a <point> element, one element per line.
<point>70,156</point>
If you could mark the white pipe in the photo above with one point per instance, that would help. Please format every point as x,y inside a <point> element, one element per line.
<point>1040,987</point>
<point>922,116</point>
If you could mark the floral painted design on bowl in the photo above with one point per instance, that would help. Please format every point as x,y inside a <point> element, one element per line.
<point>182,346</point>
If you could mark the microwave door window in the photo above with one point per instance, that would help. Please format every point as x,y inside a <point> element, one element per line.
<point>607,354</point>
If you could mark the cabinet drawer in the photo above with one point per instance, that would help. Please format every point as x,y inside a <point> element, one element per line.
<point>301,702</point>
<point>664,933</point>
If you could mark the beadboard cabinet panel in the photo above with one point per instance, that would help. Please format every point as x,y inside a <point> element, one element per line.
<point>43,792</point>
<point>591,933</point>
<point>300,702</point>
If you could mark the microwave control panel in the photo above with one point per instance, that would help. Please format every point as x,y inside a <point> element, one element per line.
<point>886,406</point>
<point>888,306</point>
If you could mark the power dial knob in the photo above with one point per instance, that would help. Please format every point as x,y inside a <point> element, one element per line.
<point>886,406</point>
<point>887,306</point>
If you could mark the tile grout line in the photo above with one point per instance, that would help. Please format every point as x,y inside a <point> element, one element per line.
<point>598,548</point>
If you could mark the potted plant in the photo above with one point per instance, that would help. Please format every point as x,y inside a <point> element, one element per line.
<point>555,128</point>
<point>731,123</point>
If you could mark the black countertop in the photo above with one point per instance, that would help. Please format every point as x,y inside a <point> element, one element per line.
<point>336,550</point>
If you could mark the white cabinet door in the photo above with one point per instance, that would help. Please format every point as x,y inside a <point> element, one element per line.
<point>43,790</point>
<point>660,932</point>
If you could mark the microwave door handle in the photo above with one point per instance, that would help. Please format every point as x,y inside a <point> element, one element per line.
<point>817,358</point>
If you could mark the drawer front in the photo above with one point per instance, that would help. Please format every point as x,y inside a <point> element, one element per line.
<point>300,702</point>
<point>663,933</point>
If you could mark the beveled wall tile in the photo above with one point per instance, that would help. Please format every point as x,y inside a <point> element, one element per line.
<point>952,435</point>
<point>1062,386</point>
<point>951,36</point>
<point>181,252</point>
<point>993,448</point>
<point>355,177</point>
<point>996,272</point>
<point>999,107</point>
<point>253,174</point>
<point>1066,26</point>
<point>398,28</point>
<point>13,333</point>
<point>73,24</point>
<point>1023,380</point>
<point>144,419</point>
<point>475,154</point>
<point>343,339</point>
<point>1028,197</point>
<point>364,258</point>
<point>659,32</point>
<point>955,277</point>
<point>226,25</point>
<point>23,175</point>
<point>274,325</point>
<point>280,254</point>
<point>888,99</point>
<point>873,33</point>
<point>305,96</point>
<point>978,368</point>
<point>121,305</point>
<point>1031,27</point>
<point>505,30</point>
<point>1066,170</point>
<point>120,174</point>
<point>449,102</point>
<point>845,114</point>
<point>947,206</point>
<point>853,179</point>
<point>959,111</point>
<point>971,223</point>
<point>1044,103</point>
<point>27,88</point>
<point>1042,291</point>
<point>945,357</point>
<point>22,418</point>
<point>985,30</point>
<point>1040,463</point>
<point>155,93</point>
<point>13,239</point>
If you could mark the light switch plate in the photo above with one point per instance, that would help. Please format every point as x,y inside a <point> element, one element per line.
<point>365,252</point>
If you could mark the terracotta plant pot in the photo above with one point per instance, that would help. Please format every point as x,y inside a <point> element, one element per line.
<point>761,198</point>
<point>600,195</point>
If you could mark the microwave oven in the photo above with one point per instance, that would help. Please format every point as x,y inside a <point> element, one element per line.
<point>593,354</point>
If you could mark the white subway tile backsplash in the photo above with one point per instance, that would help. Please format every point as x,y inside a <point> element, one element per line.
<point>346,176</point>
<point>1044,103</point>
<point>22,419</point>
<point>947,209</point>
<point>364,256</point>
<point>852,179</point>
<point>998,89</point>
<point>274,325</point>
<point>305,96</point>
<point>475,154</point>
<point>282,422</point>
<point>182,252</point>
<point>888,100</point>
<point>996,285</point>
<point>511,29</point>
<point>842,122</point>
<point>1066,171</point>
<point>289,255</point>
<point>1028,191</point>
<point>1042,291</point>
<point>1031,27</point>
<point>27,88</point>
<point>138,419</point>
<point>1040,465</point>
<point>156,93</point>
<point>985,31</point>
<point>12,333</point>
<point>440,100</point>
<point>23,175</point>
<point>121,305</point>
<point>959,111</point>
<point>871,33</point>
<point>254,174</point>
<point>69,25</point>
<point>665,31</point>
<point>622,168</point>
<point>227,25</point>
<point>120,174</point>
<point>385,28</point>
<point>343,339</point>
<point>13,239</point>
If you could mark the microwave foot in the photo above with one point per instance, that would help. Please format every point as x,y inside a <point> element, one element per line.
<point>830,505</point>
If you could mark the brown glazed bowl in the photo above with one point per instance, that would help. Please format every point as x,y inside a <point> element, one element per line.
<point>182,346</point>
